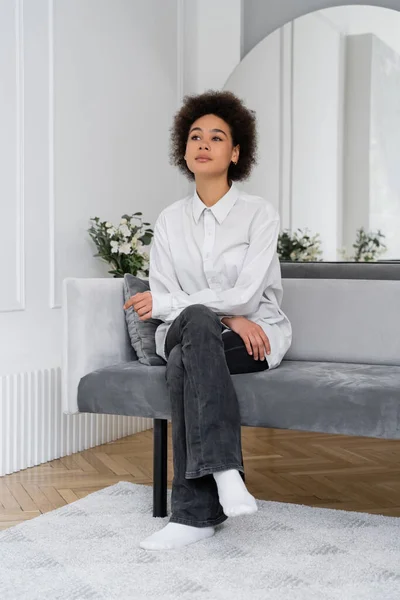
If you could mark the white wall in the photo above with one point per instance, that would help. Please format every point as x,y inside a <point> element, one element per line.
<point>12,288</point>
<point>210,48</point>
<point>91,88</point>
<point>88,91</point>
<point>115,94</point>
<point>212,38</point>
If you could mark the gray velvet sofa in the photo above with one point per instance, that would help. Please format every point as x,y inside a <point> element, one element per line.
<point>341,374</point>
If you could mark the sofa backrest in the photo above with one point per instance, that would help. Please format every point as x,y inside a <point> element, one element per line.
<point>343,312</point>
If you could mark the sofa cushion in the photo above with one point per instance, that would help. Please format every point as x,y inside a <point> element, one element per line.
<point>343,320</point>
<point>346,398</point>
<point>141,333</point>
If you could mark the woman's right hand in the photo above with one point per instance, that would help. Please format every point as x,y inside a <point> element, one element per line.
<point>252,334</point>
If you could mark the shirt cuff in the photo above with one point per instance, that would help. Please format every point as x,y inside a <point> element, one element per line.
<point>223,317</point>
<point>162,304</point>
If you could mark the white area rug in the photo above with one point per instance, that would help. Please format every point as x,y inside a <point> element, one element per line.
<point>89,550</point>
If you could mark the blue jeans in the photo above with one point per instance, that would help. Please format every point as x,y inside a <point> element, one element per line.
<point>206,423</point>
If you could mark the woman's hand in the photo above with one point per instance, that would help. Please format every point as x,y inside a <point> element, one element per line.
<point>142,303</point>
<point>252,334</point>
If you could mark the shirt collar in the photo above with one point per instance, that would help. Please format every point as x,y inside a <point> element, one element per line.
<point>220,209</point>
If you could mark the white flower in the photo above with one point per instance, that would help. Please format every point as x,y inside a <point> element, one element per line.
<point>123,221</point>
<point>108,224</point>
<point>111,231</point>
<point>114,247</point>
<point>124,229</point>
<point>136,243</point>
<point>125,248</point>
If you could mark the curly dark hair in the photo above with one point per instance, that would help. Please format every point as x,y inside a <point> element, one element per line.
<point>226,106</point>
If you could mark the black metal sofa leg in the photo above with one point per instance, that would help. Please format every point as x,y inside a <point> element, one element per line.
<point>160,456</point>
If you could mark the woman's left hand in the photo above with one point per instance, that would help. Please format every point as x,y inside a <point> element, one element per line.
<point>142,303</point>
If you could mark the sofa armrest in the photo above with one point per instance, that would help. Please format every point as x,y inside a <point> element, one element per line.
<point>95,334</point>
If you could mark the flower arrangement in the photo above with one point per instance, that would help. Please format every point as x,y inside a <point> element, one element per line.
<point>298,246</point>
<point>368,246</point>
<point>122,245</point>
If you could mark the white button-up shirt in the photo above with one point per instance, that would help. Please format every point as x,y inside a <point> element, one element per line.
<point>223,256</point>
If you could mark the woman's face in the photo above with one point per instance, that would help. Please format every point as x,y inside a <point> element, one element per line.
<point>209,147</point>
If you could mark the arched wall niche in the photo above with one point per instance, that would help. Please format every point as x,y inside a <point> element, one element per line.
<point>324,80</point>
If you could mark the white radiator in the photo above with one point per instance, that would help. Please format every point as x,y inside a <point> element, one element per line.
<point>34,430</point>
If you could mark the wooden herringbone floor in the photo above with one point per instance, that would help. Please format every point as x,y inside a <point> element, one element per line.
<point>341,472</point>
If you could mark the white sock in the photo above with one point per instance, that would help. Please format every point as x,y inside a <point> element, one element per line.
<point>233,495</point>
<point>176,535</point>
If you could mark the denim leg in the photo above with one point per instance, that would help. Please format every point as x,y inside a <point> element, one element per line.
<point>206,420</point>
<point>212,413</point>
<point>193,501</point>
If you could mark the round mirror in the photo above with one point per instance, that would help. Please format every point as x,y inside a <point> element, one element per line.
<point>326,91</point>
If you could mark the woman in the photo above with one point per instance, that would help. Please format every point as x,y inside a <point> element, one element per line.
<point>215,283</point>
